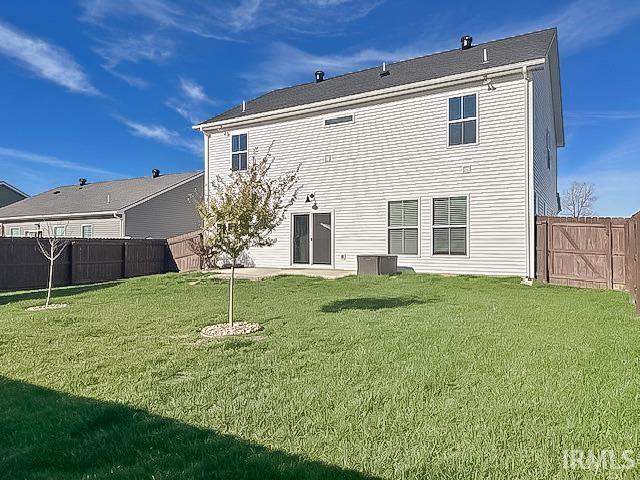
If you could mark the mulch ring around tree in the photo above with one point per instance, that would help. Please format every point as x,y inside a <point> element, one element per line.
<point>225,330</point>
<point>52,306</point>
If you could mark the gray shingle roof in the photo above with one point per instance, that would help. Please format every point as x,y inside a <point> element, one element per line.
<point>92,197</point>
<point>521,48</point>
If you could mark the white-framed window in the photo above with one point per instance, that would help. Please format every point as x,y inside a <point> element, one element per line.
<point>339,119</point>
<point>14,231</point>
<point>59,231</point>
<point>463,120</point>
<point>239,151</point>
<point>548,140</point>
<point>87,231</point>
<point>450,225</point>
<point>402,227</point>
<point>33,233</point>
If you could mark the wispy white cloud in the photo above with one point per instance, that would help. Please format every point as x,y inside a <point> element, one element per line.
<point>286,65</point>
<point>162,135</point>
<point>49,161</point>
<point>584,22</point>
<point>577,118</point>
<point>580,24</point>
<point>191,100</point>
<point>45,60</point>
<point>224,19</point>
<point>135,48</point>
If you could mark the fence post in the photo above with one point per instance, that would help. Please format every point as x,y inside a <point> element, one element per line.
<point>609,254</point>
<point>125,259</point>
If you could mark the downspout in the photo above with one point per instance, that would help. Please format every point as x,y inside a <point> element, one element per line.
<point>529,168</point>
<point>122,228</point>
<point>206,166</point>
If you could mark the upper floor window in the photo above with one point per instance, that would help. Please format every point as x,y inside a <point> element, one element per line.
<point>239,152</point>
<point>87,231</point>
<point>59,231</point>
<point>403,227</point>
<point>14,232</point>
<point>463,119</point>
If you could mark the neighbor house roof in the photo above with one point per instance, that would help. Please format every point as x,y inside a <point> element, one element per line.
<point>507,51</point>
<point>11,187</point>
<point>95,198</point>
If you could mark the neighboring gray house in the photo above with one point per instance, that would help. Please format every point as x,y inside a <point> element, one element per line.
<point>157,206</point>
<point>443,160</point>
<point>10,194</point>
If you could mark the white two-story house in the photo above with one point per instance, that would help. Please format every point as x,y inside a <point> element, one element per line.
<point>443,160</point>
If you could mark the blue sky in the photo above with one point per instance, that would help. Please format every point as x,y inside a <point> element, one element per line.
<point>107,89</point>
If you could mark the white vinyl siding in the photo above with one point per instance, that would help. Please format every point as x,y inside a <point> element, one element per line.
<point>450,226</point>
<point>544,144</point>
<point>403,227</point>
<point>398,150</point>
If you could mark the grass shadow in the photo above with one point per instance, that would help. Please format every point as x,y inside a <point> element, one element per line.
<point>372,303</point>
<point>48,434</point>
<point>57,292</point>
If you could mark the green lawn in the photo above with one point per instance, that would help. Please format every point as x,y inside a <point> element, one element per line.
<point>403,377</point>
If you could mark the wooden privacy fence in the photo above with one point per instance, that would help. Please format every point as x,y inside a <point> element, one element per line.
<point>22,265</point>
<point>592,252</point>
<point>181,248</point>
<point>632,234</point>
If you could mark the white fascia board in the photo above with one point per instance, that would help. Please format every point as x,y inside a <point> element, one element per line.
<point>60,216</point>
<point>176,185</point>
<point>410,88</point>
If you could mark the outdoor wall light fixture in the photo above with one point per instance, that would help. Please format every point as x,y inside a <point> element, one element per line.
<point>312,197</point>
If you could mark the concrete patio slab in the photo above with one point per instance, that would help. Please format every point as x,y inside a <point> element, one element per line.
<point>256,274</point>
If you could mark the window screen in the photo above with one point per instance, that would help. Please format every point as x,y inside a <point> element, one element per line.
<point>450,226</point>
<point>403,227</point>
<point>239,152</point>
<point>463,118</point>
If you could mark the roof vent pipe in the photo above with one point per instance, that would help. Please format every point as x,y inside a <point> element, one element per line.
<point>485,55</point>
<point>384,71</point>
<point>244,106</point>
<point>155,173</point>
<point>82,181</point>
<point>465,42</point>
<point>319,76</point>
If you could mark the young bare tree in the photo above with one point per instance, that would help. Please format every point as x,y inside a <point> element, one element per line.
<point>51,247</point>
<point>244,209</point>
<point>578,199</point>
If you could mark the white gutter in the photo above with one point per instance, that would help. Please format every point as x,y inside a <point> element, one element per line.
<point>416,87</point>
<point>61,215</point>
<point>529,167</point>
